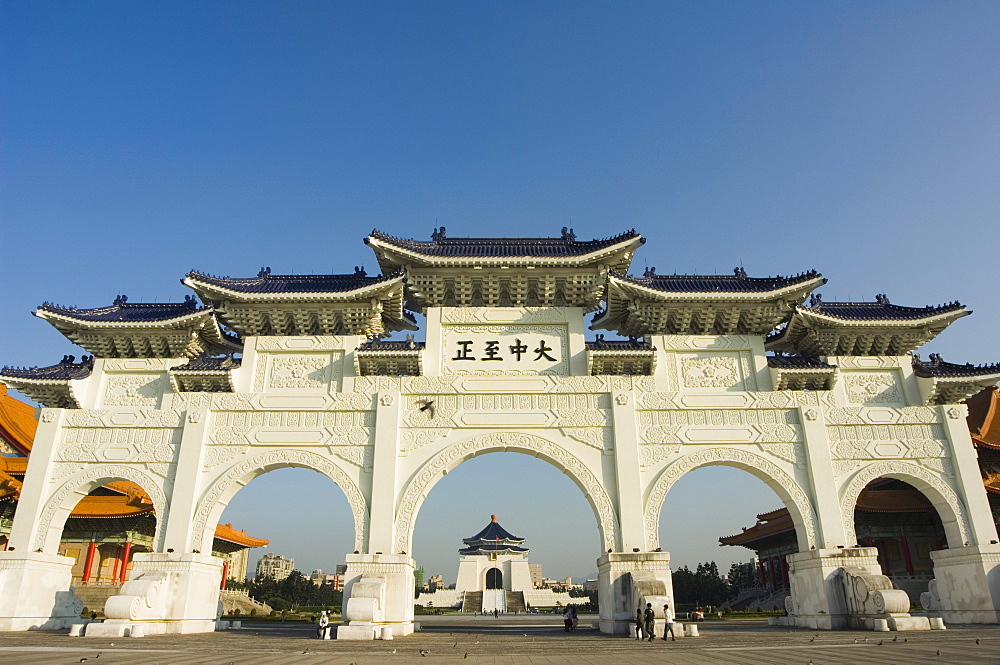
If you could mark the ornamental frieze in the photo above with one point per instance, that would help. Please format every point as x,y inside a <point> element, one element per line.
<point>97,444</point>
<point>859,415</point>
<point>601,438</point>
<point>414,439</point>
<point>882,432</point>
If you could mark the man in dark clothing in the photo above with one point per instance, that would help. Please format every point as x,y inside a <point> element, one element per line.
<point>649,618</point>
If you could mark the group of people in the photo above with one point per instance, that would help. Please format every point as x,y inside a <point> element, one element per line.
<point>570,619</point>
<point>645,623</point>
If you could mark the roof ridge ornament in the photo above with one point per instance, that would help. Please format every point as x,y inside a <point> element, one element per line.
<point>816,301</point>
<point>438,234</point>
<point>650,273</point>
<point>568,234</point>
<point>265,272</point>
<point>120,300</point>
<point>881,299</point>
<point>740,272</point>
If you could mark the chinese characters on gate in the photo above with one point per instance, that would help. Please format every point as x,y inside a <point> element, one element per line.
<point>493,350</point>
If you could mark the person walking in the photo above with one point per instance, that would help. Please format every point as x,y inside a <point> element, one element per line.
<point>649,621</point>
<point>668,616</point>
<point>638,623</point>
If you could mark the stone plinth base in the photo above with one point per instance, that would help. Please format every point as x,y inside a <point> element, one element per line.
<point>968,584</point>
<point>625,578</point>
<point>899,622</point>
<point>165,594</point>
<point>36,592</point>
<point>818,600</point>
<point>378,593</point>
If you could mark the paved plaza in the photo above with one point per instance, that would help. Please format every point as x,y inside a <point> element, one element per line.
<point>534,640</point>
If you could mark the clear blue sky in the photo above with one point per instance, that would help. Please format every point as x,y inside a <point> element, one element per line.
<point>141,140</point>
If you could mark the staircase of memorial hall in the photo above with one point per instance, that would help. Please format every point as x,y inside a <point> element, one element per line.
<point>472,601</point>
<point>515,602</point>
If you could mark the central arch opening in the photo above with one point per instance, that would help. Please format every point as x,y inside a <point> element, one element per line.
<point>505,532</point>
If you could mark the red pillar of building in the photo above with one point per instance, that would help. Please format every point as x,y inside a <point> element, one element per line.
<point>89,563</point>
<point>118,564</point>
<point>125,553</point>
<point>225,574</point>
<point>906,555</point>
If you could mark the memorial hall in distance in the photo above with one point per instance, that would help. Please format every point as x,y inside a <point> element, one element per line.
<point>826,402</point>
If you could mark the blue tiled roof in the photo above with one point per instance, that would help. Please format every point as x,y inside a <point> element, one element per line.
<point>265,282</point>
<point>631,344</point>
<point>123,311</point>
<point>881,309</point>
<point>493,531</point>
<point>797,362</point>
<point>391,345</point>
<point>439,245</point>
<point>738,282</point>
<point>66,370</point>
<point>492,547</point>
<point>207,363</point>
<point>936,367</point>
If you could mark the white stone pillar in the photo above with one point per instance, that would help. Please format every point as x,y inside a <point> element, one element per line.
<point>967,574</point>
<point>178,524</point>
<point>628,481</point>
<point>819,466</point>
<point>37,488</point>
<point>624,579</point>
<point>968,477</point>
<point>384,475</point>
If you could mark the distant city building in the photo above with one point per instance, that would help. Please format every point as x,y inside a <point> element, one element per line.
<point>275,566</point>
<point>536,575</point>
<point>319,578</point>
<point>435,582</point>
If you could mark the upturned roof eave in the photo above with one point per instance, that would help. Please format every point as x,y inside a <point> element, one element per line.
<point>176,322</point>
<point>799,289</point>
<point>413,257</point>
<point>814,316</point>
<point>205,288</point>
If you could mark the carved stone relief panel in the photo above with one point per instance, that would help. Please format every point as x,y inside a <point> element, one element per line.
<point>304,371</point>
<point>140,389</point>
<point>711,371</point>
<point>879,388</point>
